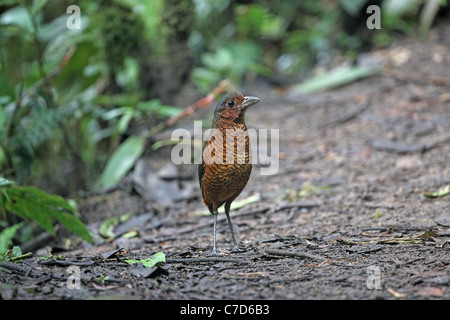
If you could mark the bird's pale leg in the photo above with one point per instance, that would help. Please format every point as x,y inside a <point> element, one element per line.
<point>230,224</point>
<point>214,251</point>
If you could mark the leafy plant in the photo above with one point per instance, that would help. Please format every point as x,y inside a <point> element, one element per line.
<point>33,204</point>
<point>121,161</point>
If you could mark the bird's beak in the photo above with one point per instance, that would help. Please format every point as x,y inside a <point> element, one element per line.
<point>249,100</point>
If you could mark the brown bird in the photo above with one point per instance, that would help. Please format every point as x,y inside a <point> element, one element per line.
<point>226,164</point>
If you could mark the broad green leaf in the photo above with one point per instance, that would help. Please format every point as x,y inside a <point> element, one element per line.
<point>121,161</point>
<point>18,16</point>
<point>333,79</point>
<point>6,236</point>
<point>5,182</point>
<point>45,199</point>
<point>26,206</point>
<point>150,262</point>
<point>16,251</point>
<point>119,100</point>
<point>440,193</point>
<point>124,121</point>
<point>29,202</point>
<point>73,224</point>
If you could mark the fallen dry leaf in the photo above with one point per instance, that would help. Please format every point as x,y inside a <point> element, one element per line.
<point>396,294</point>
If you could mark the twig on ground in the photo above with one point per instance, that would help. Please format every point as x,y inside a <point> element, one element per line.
<point>205,259</point>
<point>66,263</point>
<point>22,256</point>
<point>305,255</point>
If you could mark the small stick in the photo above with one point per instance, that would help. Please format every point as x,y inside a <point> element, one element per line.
<point>66,263</point>
<point>205,259</point>
<point>22,256</point>
<point>294,254</point>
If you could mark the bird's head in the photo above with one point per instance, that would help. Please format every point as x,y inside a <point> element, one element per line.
<point>232,107</point>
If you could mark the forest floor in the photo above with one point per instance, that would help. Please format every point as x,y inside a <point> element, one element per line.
<point>345,216</point>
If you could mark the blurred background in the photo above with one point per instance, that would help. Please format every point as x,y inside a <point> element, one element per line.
<point>69,98</point>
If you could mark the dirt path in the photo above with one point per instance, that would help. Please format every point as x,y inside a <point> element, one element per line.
<point>344,217</point>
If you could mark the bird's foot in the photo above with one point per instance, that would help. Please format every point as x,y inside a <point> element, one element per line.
<point>236,248</point>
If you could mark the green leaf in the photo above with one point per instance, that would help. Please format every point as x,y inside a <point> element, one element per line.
<point>150,262</point>
<point>45,199</point>
<point>106,228</point>
<point>440,193</point>
<point>121,161</point>
<point>16,251</point>
<point>73,224</point>
<point>6,236</point>
<point>205,78</point>
<point>5,182</point>
<point>26,205</point>
<point>117,99</point>
<point>29,202</point>
<point>18,16</point>
<point>155,106</point>
<point>333,79</point>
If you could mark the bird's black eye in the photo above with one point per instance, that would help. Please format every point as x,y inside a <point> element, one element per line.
<point>231,103</point>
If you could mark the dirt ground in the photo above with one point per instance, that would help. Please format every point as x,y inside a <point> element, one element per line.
<point>345,217</point>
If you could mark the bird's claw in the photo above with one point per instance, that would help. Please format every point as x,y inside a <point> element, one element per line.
<point>236,248</point>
